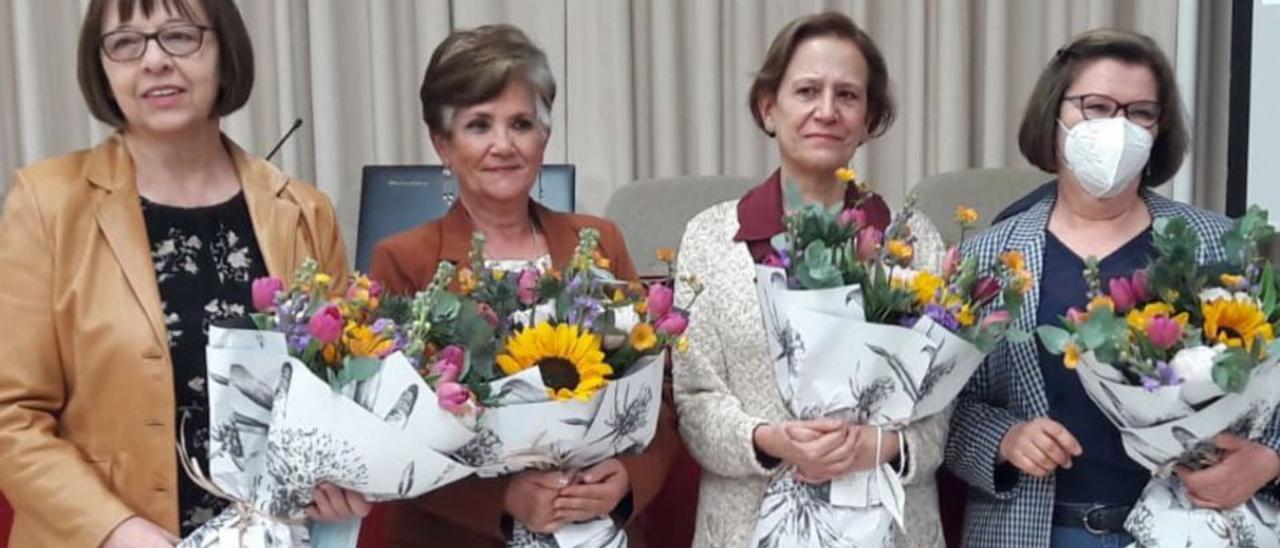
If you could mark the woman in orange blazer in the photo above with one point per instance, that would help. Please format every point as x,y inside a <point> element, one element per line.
<point>487,98</point>
<point>116,260</point>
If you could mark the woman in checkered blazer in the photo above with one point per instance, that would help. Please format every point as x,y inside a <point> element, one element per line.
<point>1045,467</point>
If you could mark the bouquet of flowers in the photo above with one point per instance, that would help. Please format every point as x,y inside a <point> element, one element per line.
<point>319,392</point>
<point>857,333</point>
<point>1174,355</point>
<point>562,370</point>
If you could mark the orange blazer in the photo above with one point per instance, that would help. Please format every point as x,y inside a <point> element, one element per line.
<point>87,431</point>
<point>469,513</point>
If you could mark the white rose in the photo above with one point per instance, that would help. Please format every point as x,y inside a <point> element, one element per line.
<point>1195,366</point>
<point>1211,294</point>
<point>625,319</point>
<point>904,276</point>
<point>541,313</point>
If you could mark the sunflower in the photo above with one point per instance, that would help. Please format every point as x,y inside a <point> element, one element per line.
<point>1236,323</point>
<point>569,358</point>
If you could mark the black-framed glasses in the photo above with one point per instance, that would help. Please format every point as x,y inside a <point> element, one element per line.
<point>130,45</point>
<point>1094,106</point>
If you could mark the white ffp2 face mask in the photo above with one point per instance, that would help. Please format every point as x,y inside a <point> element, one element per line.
<point>1106,154</point>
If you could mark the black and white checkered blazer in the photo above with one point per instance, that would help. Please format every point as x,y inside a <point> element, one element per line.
<point>1016,509</point>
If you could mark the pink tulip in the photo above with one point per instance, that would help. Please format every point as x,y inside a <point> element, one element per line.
<point>950,262</point>
<point>326,325</point>
<point>453,397</point>
<point>445,371</point>
<point>375,289</point>
<point>869,243</point>
<point>527,286</point>
<point>264,293</point>
<point>986,289</point>
<point>1141,288</point>
<point>995,318</point>
<point>852,217</point>
<point>1163,332</point>
<point>1122,294</point>
<point>1077,317</point>
<point>659,301</point>
<point>453,354</point>
<point>672,324</point>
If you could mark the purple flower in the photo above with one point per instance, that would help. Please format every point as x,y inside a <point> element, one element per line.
<point>326,324</point>
<point>1122,294</point>
<point>265,291</point>
<point>659,301</point>
<point>868,241</point>
<point>986,289</point>
<point>446,371</point>
<point>942,316</point>
<point>672,324</point>
<point>995,318</point>
<point>1163,332</point>
<point>453,397</point>
<point>381,325</point>
<point>453,354</point>
<point>1141,289</point>
<point>951,262</point>
<point>778,259</point>
<point>852,217</point>
<point>299,341</point>
<point>1165,376</point>
<point>527,286</point>
<point>585,310</point>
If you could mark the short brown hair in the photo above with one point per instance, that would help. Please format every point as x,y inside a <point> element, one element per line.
<point>880,109</point>
<point>235,54</point>
<point>473,66</point>
<point>1037,138</point>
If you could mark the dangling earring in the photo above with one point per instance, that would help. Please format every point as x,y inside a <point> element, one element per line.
<point>448,173</point>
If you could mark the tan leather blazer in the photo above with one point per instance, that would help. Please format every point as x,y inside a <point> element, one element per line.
<point>86,390</point>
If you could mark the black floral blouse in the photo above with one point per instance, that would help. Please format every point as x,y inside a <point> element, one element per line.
<point>206,259</point>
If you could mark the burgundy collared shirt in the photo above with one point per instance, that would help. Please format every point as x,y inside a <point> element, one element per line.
<point>760,215</point>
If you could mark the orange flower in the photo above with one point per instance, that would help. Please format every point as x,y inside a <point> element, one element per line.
<point>1013,260</point>
<point>467,281</point>
<point>601,261</point>
<point>966,215</point>
<point>1101,301</point>
<point>666,255</point>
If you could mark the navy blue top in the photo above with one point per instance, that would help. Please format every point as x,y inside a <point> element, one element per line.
<point>1103,473</point>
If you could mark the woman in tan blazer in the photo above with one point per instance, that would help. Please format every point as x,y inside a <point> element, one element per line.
<point>487,98</point>
<point>116,260</point>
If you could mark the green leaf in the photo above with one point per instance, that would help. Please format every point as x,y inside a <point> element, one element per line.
<point>1054,338</point>
<point>360,369</point>
<point>1017,336</point>
<point>1231,370</point>
<point>1096,332</point>
<point>1268,296</point>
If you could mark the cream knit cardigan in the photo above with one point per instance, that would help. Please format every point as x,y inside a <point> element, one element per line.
<point>724,388</point>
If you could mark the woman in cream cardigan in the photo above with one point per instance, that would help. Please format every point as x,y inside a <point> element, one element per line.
<point>822,92</point>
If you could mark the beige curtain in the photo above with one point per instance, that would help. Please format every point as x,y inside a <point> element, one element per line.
<point>647,87</point>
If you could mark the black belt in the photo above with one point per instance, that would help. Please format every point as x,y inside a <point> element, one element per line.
<point>1098,519</point>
